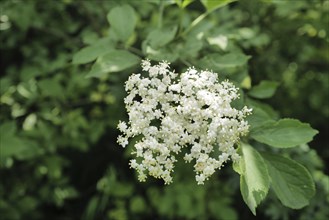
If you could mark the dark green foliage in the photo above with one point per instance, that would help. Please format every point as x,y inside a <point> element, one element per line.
<point>63,68</point>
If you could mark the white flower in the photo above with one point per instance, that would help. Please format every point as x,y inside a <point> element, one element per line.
<point>123,141</point>
<point>122,126</point>
<point>187,116</point>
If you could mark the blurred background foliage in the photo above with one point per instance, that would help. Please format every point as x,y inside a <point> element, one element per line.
<point>59,158</point>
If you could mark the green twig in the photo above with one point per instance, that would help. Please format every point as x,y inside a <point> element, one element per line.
<point>161,9</point>
<point>136,51</point>
<point>196,22</point>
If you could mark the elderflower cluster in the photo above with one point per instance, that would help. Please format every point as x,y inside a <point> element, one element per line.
<point>187,115</point>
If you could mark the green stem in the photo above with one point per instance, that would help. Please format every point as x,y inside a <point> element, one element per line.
<point>136,51</point>
<point>188,64</point>
<point>161,8</point>
<point>196,22</point>
<point>181,16</point>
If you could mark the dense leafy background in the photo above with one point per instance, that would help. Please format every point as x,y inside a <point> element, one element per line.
<point>63,67</point>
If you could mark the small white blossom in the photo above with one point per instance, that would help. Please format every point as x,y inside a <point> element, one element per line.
<point>172,112</point>
<point>123,141</point>
<point>122,126</point>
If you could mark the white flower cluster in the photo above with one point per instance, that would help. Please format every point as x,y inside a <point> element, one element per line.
<point>186,114</point>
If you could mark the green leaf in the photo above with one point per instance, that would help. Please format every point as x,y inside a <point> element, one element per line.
<point>92,208</point>
<point>263,106</point>
<point>246,82</point>
<point>90,53</point>
<point>254,177</point>
<point>265,89</point>
<point>190,48</point>
<point>51,88</point>
<point>137,204</point>
<point>7,128</point>
<point>113,61</point>
<point>5,83</point>
<point>214,4</point>
<point>258,118</point>
<point>160,37</point>
<point>123,20</point>
<point>284,133</point>
<point>291,181</point>
<point>31,150</point>
<point>217,62</point>
<point>220,41</point>
<point>161,54</point>
<point>221,209</point>
<point>12,145</point>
